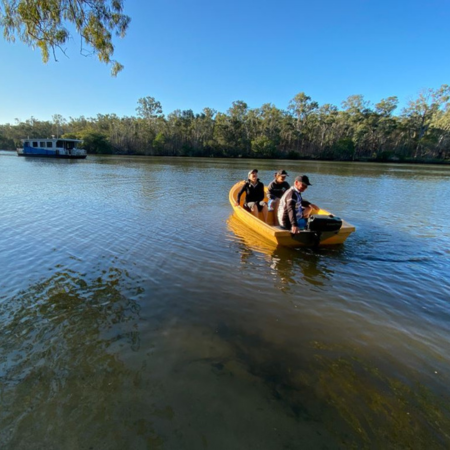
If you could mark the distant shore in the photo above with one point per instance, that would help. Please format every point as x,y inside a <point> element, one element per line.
<point>362,160</point>
<point>357,131</point>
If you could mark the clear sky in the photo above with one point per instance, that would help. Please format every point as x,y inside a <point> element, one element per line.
<point>196,54</point>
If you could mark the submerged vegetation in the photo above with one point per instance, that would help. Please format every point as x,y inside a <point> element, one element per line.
<point>358,131</point>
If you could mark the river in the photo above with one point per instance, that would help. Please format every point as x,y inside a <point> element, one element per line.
<point>137,312</point>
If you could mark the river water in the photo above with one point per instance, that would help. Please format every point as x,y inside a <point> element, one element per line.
<point>137,313</point>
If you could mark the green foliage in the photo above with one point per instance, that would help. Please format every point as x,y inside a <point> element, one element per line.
<point>386,106</point>
<point>422,113</point>
<point>95,142</point>
<point>263,146</point>
<point>159,143</point>
<point>6,143</point>
<point>344,149</point>
<point>305,131</point>
<point>44,24</point>
<point>148,108</point>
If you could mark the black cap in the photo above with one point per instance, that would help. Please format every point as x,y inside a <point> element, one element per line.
<point>281,173</point>
<point>303,179</point>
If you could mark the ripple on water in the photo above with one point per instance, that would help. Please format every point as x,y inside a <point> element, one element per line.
<point>132,311</point>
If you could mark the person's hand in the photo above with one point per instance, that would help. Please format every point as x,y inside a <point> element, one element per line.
<point>313,206</point>
<point>295,230</point>
<point>236,203</point>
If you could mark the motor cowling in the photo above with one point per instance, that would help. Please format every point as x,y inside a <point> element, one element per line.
<point>320,223</point>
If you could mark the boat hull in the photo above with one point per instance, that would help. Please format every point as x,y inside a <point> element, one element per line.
<point>44,155</point>
<point>282,237</point>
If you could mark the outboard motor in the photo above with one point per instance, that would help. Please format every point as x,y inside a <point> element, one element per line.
<point>319,223</point>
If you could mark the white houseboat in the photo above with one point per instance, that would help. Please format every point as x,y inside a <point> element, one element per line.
<point>52,148</point>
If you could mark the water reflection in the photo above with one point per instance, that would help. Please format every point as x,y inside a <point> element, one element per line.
<point>292,266</point>
<point>61,367</point>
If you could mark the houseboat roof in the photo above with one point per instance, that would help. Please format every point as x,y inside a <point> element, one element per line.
<point>51,139</point>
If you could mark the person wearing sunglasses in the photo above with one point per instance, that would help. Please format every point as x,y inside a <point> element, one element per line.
<point>254,195</point>
<point>276,189</point>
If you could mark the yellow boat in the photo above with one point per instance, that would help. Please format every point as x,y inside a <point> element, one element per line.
<point>279,235</point>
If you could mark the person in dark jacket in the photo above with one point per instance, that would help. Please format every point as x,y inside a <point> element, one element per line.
<point>293,211</point>
<point>254,195</point>
<point>276,189</point>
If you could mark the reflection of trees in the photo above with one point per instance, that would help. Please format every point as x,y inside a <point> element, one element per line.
<point>287,263</point>
<point>61,366</point>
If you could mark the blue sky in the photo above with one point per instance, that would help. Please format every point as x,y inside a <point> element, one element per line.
<point>191,55</point>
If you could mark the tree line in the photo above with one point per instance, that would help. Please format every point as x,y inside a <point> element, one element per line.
<point>357,131</point>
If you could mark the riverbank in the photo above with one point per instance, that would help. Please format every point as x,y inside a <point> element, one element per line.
<point>361,160</point>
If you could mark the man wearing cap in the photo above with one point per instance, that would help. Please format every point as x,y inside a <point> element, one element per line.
<point>293,210</point>
<point>254,195</point>
<point>276,189</point>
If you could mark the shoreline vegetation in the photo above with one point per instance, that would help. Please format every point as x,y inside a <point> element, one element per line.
<point>358,131</point>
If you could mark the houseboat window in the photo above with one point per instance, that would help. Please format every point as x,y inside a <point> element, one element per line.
<point>69,145</point>
<point>26,144</point>
<point>42,144</point>
<point>35,144</point>
<point>49,144</point>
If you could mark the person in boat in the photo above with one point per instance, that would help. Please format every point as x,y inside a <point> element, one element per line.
<point>254,195</point>
<point>276,189</point>
<point>293,210</point>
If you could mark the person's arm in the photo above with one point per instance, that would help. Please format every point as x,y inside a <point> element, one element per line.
<point>305,204</point>
<point>238,201</point>
<point>290,206</point>
<point>271,191</point>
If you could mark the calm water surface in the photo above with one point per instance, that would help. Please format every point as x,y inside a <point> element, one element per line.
<point>137,312</point>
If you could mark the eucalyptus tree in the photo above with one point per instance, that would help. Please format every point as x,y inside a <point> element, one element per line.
<point>205,129</point>
<point>149,109</point>
<point>45,24</point>
<point>268,139</point>
<point>150,112</point>
<point>441,125</point>
<point>357,113</point>
<point>238,120</point>
<point>187,124</point>
<point>6,143</point>
<point>32,128</point>
<point>174,139</point>
<point>58,124</point>
<point>326,131</point>
<point>386,126</point>
<point>421,113</point>
<point>302,107</point>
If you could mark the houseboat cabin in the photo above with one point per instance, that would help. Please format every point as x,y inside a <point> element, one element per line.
<point>53,148</point>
